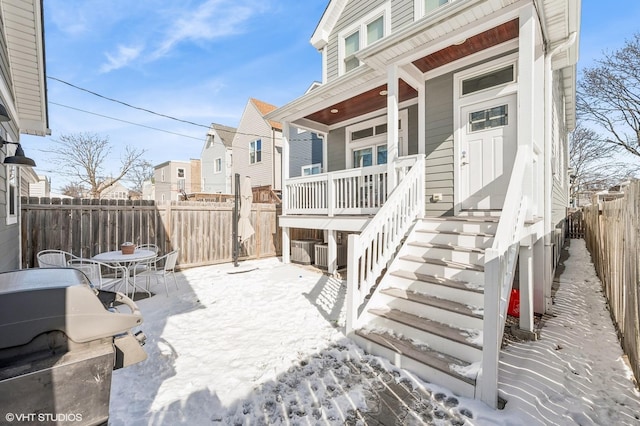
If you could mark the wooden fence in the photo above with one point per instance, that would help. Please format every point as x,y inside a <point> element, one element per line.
<point>575,223</point>
<point>613,238</point>
<point>202,231</point>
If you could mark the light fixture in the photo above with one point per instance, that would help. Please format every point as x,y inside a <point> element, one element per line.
<point>334,111</point>
<point>18,158</point>
<point>383,93</point>
<point>4,115</point>
<point>460,42</point>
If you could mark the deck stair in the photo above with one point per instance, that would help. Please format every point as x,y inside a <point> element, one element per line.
<point>426,315</point>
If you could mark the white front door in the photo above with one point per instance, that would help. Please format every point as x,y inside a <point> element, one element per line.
<point>487,151</point>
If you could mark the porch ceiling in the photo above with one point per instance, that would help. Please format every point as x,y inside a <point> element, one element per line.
<point>369,101</point>
<point>474,44</point>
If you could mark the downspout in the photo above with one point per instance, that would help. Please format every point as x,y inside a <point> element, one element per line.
<point>548,179</point>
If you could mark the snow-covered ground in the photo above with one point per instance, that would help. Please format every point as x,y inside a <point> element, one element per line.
<point>265,346</point>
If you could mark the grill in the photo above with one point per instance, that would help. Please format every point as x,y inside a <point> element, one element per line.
<point>60,341</point>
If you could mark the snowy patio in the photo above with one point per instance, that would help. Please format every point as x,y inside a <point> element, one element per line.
<point>266,347</point>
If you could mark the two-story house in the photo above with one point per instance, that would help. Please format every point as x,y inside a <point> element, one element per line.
<point>216,160</point>
<point>444,127</point>
<point>257,146</point>
<point>24,109</point>
<point>175,180</point>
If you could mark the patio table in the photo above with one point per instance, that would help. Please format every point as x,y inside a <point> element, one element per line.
<point>129,261</point>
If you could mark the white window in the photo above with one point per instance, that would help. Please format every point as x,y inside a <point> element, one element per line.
<point>255,151</point>
<point>162,176</point>
<point>217,165</point>
<point>312,169</point>
<point>367,141</point>
<point>12,194</point>
<point>372,28</point>
<point>425,7</point>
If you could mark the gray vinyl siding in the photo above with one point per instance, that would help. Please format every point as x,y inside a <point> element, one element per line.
<point>401,15</point>
<point>335,150</point>
<point>252,127</point>
<point>439,145</point>
<point>560,181</point>
<point>9,234</point>
<point>305,149</point>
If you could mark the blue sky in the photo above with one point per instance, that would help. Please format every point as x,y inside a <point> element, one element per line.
<point>200,61</point>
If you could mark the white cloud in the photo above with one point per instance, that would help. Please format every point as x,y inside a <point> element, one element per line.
<point>212,20</point>
<point>123,57</point>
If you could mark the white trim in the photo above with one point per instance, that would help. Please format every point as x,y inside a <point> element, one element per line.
<point>459,102</point>
<point>311,167</point>
<point>360,26</point>
<point>217,170</point>
<point>419,11</point>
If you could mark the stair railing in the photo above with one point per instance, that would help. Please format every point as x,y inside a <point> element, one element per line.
<point>499,271</point>
<point>370,251</point>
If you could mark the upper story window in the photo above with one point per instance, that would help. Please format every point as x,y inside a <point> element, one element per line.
<point>255,151</point>
<point>180,172</point>
<point>425,7</point>
<point>217,165</point>
<point>372,28</point>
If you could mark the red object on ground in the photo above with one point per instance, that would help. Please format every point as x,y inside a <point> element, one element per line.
<point>514,303</point>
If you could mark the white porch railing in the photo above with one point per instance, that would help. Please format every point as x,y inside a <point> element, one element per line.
<point>346,192</point>
<point>371,250</point>
<point>499,270</point>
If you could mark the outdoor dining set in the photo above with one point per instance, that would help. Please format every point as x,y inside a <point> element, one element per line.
<point>119,270</point>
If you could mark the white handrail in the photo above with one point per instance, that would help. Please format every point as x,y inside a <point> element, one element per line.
<point>499,270</point>
<point>371,250</point>
<point>352,191</point>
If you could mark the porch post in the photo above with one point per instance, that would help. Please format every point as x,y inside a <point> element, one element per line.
<point>526,285</point>
<point>422,120</point>
<point>286,242</point>
<point>332,252</point>
<point>526,95</point>
<point>393,132</point>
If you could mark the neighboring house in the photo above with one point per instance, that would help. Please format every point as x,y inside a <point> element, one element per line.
<point>41,188</point>
<point>217,172</point>
<point>175,179</point>
<point>444,125</point>
<point>114,191</point>
<point>148,190</point>
<point>257,146</point>
<point>28,178</point>
<point>23,94</point>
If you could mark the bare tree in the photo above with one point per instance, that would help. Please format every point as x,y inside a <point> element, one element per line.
<point>74,189</point>
<point>609,96</point>
<point>596,164</point>
<point>83,156</point>
<point>141,171</point>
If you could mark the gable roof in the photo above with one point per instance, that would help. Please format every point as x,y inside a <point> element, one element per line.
<point>264,109</point>
<point>226,133</point>
<point>328,21</point>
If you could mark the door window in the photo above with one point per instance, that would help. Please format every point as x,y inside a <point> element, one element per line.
<point>488,118</point>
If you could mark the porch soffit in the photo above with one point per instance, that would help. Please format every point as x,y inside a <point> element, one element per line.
<point>492,37</point>
<point>371,100</point>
